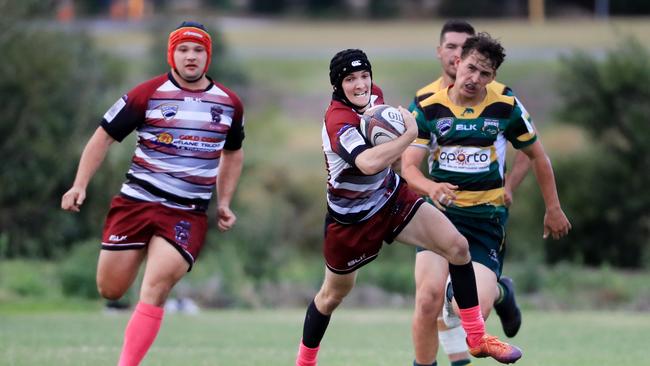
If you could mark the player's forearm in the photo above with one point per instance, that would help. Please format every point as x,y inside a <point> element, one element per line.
<point>416,179</point>
<point>382,156</point>
<point>411,161</point>
<point>92,157</point>
<point>520,167</point>
<point>230,168</point>
<point>546,180</point>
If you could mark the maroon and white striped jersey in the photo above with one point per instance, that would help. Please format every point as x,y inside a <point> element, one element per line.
<point>181,134</point>
<point>351,195</point>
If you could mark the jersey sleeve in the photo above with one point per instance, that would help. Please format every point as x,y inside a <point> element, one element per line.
<point>520,131</point>
<point>128,113</point>
<point>345,138</point>
<point>423,139</point>
<point>376,95</point>
<point>235,136</point>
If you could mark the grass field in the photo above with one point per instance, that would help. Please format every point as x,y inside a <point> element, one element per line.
<point>286,63</point>
<point>355,337</point>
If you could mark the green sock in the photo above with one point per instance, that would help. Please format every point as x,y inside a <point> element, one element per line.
<point>502,293</point>
<point>435,363</point>
<point>465,362</point>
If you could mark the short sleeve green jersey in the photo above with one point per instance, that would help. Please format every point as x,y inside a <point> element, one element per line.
<point>469,146</point>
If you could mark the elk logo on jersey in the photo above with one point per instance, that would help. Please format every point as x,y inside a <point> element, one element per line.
<point>169,111</point>
<point>182,232</point>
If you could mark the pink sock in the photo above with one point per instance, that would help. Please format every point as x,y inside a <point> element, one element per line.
<point>307,356</point>
<point>472,321</point>
<point>140,333</point>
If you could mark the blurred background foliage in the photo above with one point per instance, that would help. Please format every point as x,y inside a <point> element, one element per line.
<point>58,79</point>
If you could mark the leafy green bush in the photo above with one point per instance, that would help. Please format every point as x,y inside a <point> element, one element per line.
<point>607,188</point>
<point>52,84</point>
<point>78,269</point>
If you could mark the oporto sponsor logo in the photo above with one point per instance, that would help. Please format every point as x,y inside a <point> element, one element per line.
<point>443,125</point>
<point>117,238</point>
<point>465,159</point>
<point>168,111</point>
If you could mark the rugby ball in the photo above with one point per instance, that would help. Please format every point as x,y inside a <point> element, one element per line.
<point>382,123</point>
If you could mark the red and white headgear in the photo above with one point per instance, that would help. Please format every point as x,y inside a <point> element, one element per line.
<point>189,32</point>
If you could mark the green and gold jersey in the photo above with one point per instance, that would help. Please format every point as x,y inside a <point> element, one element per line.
<point>435,86</point>
<point>469,146</point>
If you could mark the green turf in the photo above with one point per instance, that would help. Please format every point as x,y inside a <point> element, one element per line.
<point>355,337</point>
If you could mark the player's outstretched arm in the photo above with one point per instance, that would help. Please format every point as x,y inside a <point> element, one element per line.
<point>520,167</point>
<point>91,159</point>
<point>556,223</point>
<point>230,168</point>
<point>379,157</point>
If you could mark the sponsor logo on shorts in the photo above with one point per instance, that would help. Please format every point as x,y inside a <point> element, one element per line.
<point>356,261</point>
<point>117,238</point>
<point>182,232</point>
<point>494,256</point>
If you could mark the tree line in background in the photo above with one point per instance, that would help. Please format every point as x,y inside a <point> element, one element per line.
<point>55,84</point>
<point>386,9</point>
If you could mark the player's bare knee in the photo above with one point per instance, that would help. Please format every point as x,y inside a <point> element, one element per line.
<point>110,292</point>
<point>330,300</point>
<point>428,304</point>
<point>155,293</point>
<point>458,253</point>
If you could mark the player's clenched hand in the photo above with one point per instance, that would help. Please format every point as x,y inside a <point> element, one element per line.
<point>409,123</point>
<point>225,218</point>
<point>442,194</point>
<point>556,223</point>
<point>73,199</point>
<point>507,196</point>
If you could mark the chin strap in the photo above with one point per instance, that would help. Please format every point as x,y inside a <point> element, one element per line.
<point>342,98</point>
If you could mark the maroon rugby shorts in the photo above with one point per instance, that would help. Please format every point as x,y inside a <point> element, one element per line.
<point>130,224</point>
<point>351,246</point>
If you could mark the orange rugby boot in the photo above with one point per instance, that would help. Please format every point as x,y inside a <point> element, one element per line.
<point>491,346</point>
